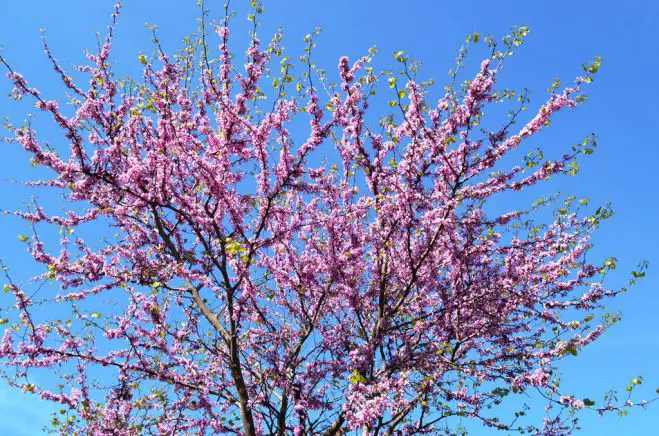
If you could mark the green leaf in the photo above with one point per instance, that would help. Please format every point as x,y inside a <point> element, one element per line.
<point>356,377</point>
<point>610,263</point>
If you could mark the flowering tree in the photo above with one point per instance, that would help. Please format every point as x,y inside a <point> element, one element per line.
<point>356,280</point>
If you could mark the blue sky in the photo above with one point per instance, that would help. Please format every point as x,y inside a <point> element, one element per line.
<point>622,110</point>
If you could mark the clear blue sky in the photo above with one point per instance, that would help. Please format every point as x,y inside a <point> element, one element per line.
<point>622,109</point>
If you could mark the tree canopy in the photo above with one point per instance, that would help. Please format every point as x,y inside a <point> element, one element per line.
<point>289,255</point>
